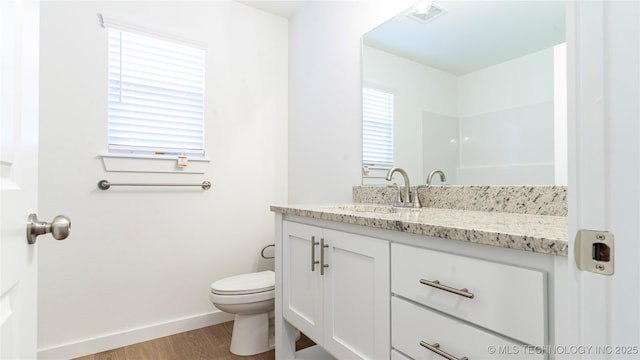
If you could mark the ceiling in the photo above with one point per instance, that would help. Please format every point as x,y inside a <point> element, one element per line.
<point>286,9</point>
<point>473,35</point>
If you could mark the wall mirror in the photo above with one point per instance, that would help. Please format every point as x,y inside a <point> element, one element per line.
<point>479,91</point>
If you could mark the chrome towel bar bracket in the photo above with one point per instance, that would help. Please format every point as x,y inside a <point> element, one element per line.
<point>105,185</point>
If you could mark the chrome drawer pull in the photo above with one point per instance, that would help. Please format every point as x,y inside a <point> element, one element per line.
<point>436,349</point>
<point>313,253</point>
<point>322,264</point>
<point>436,284</point>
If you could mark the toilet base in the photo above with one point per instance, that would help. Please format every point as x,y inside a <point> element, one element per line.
<point>252,334</point>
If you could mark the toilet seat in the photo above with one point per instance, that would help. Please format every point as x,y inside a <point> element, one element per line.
<point>251,283</point>
<point>245,288</point>
<point>241,299</point>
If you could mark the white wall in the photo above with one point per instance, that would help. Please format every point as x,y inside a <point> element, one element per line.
<point>560,115</point>
<point>325,117</point>
<point>507,122</point>
<point>441,146</point>
<point>515,83</point>
<point>141,257</point>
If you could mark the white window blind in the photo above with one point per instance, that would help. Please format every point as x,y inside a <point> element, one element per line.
<point>156,95</point>
<point>377,128</point>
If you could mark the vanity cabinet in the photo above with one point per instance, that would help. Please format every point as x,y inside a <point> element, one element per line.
<point>335,289</point>
<point>366,293</point>
<point>468,307</point>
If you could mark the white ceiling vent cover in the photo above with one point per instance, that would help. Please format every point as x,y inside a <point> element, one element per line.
<point>431,14</point>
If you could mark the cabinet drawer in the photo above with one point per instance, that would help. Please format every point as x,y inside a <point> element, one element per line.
<point>412,324</point>
<point>506,299</point>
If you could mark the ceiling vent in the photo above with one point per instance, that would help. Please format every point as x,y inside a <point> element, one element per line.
<point>427,15</point>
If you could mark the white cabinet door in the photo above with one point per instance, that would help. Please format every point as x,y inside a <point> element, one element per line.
<point>395,355</point>
<point>301,287</point>
<point>356,296</point>
<point>345,310</point>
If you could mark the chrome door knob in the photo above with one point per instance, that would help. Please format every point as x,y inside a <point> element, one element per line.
<point>59,228</point>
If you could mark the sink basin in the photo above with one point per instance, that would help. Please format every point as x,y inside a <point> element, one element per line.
<point>373,208</point>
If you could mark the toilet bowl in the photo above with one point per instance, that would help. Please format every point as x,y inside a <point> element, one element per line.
<point>251,298</point>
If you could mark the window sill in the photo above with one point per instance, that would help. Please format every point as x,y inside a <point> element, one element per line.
<point>152,164</point>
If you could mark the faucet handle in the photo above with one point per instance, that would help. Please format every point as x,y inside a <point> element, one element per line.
<point>416,198</point>
<point>398,199</point>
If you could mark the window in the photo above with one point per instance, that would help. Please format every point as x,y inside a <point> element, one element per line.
<point>377,129</point>
<point>156,95</point>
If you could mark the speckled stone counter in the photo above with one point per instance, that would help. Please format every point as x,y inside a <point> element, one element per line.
<point>534,200</point>
<point>534,233</point>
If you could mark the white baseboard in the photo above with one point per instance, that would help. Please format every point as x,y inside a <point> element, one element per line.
<point>131,336</point>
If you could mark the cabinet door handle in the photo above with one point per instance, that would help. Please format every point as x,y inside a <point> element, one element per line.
<point>436,349</point>
<point>322,264</point>
<point>436,284</point>
<point>313,253</point>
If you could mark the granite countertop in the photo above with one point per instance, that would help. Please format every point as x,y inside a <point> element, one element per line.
<point>534,233</point>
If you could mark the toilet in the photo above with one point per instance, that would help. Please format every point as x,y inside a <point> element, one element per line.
<point>251,298</point>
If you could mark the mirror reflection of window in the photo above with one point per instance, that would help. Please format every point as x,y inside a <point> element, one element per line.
<point>377,131</point>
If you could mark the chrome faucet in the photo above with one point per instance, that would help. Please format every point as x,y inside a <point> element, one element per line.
<point>443,178</point>
<point>406,200</point>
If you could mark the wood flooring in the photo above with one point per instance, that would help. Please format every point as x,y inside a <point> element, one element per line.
<point>209,343</point>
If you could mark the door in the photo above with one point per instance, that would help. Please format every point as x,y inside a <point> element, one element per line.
<point>356,296</point>
<point>604,174</point>
<point>19,34</point>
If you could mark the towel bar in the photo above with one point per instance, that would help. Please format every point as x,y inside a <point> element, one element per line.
<point>105,185</point>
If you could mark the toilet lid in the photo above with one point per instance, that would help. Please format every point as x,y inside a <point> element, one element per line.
<point>245,283</point>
